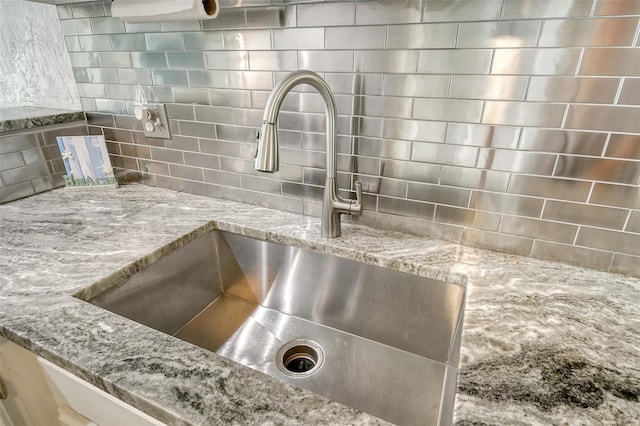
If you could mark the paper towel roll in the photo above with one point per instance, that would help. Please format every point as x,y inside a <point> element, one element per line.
<point>164,10</point>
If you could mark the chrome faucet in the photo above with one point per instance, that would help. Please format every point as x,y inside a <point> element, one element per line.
<point>267,158</point>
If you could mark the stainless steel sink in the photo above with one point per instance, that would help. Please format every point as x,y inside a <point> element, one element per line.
<point>379,340</point>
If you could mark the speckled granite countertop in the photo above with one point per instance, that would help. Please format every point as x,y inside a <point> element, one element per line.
<point>19,118</point>
<point>543,343</point>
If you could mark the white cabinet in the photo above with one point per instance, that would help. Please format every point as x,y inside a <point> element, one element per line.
<point>41,393</point>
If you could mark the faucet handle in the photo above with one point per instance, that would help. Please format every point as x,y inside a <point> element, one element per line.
<point>358,191</point>
<point>255,154</point>
<point>355,207</point>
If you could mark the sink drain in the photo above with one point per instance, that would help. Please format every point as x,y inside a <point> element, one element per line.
<point>300,358</point>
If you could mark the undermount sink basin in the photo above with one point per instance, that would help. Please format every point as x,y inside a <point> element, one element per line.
<point>379,340</point>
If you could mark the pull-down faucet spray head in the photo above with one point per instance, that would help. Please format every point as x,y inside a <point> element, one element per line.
<point>267,158</point>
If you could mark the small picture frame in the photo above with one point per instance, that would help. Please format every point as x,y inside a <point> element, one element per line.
<point>87,162</point>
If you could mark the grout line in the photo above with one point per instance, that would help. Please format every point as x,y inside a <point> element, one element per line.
<point>565,113</point>
<point>579,63</point>
<point>575,239</point>
<point>593,185</point>
<point>626,222</point>
<point>540,29</point>
<point>606,145</point>
<point>611,263</point>
<point>619,91</point>
<point>635,38</point>
<point>455,39</point>
<point>555,165</point>
<point>501,11</point>
<point>544,205</point>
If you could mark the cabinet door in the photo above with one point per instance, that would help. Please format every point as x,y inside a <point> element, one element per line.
<point>41,393</point>
<point>29,401</point>
<point>91,402</point>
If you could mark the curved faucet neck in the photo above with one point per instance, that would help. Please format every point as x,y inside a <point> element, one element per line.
<point>267,154</point>
<point>272,110</point>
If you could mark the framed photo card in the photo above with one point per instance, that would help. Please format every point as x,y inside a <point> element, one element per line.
<point>87,162</point>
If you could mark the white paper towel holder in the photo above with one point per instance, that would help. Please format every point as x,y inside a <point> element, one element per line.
<point>164,10</point>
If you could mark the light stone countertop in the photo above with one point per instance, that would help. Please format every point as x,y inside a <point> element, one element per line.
<point>543,342</point>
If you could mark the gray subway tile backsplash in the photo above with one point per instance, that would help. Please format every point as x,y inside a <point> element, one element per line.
<point>95,43</point>
<point>107,25</point>
<point>247,40</point>
<point>164,41</point>
<point>227,60</point>
<point>604,118</point>
<point>149,59</point>
<point>624,146</point>
<point>359,37</point>
<point>633,225</point>
<point>611,61</point>
<point>30,161</point>
<point>128,42</point>
<point>455,61</point>
<point>539,229</point>
<point>602,217</point>
<point>624,264</point>
<point>497,241</point>
<point>517,9</point>
<point>616,195</point>
<point>495,123</point>
<point>597,90</point>
<point>561,61</point>
<point>589,32</point>
<point>326,15</point>
<point>577,255</point>
<point>612,241</point>
<point>630,90</point>
<point>188,60</point>
<point>499,34</point>
<point>422,36</point>
<point>376,12</point>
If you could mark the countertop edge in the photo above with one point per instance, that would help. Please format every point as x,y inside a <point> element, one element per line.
<point>48,118</point>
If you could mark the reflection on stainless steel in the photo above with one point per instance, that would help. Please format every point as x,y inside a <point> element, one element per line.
<point>624,146</point>
<point>458,61</point>
<point>572,89</point>
<point>541,88</point>
<point>607,170</point>
<point>613,61</point>
<point>428,86</point>
<point>356,37</point>
<point>563,189</point>
<point>542,229</point>
<point>519,9</point>
<point>535,61</point>
<point>568,142</point>
<point>606,118</point>
<point>169,314</point>
<point>383,12</point>
<point>523,113</point>
<point>489,87</point>
<point>630,90</point>
<point>267,154</point>
<point>589,32</point>
<point>388,337</point>
<point>326,14</point>
<point>481,135</point>
<point>392,61</point>
<point>432,36</point>
<point>498,34</point>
